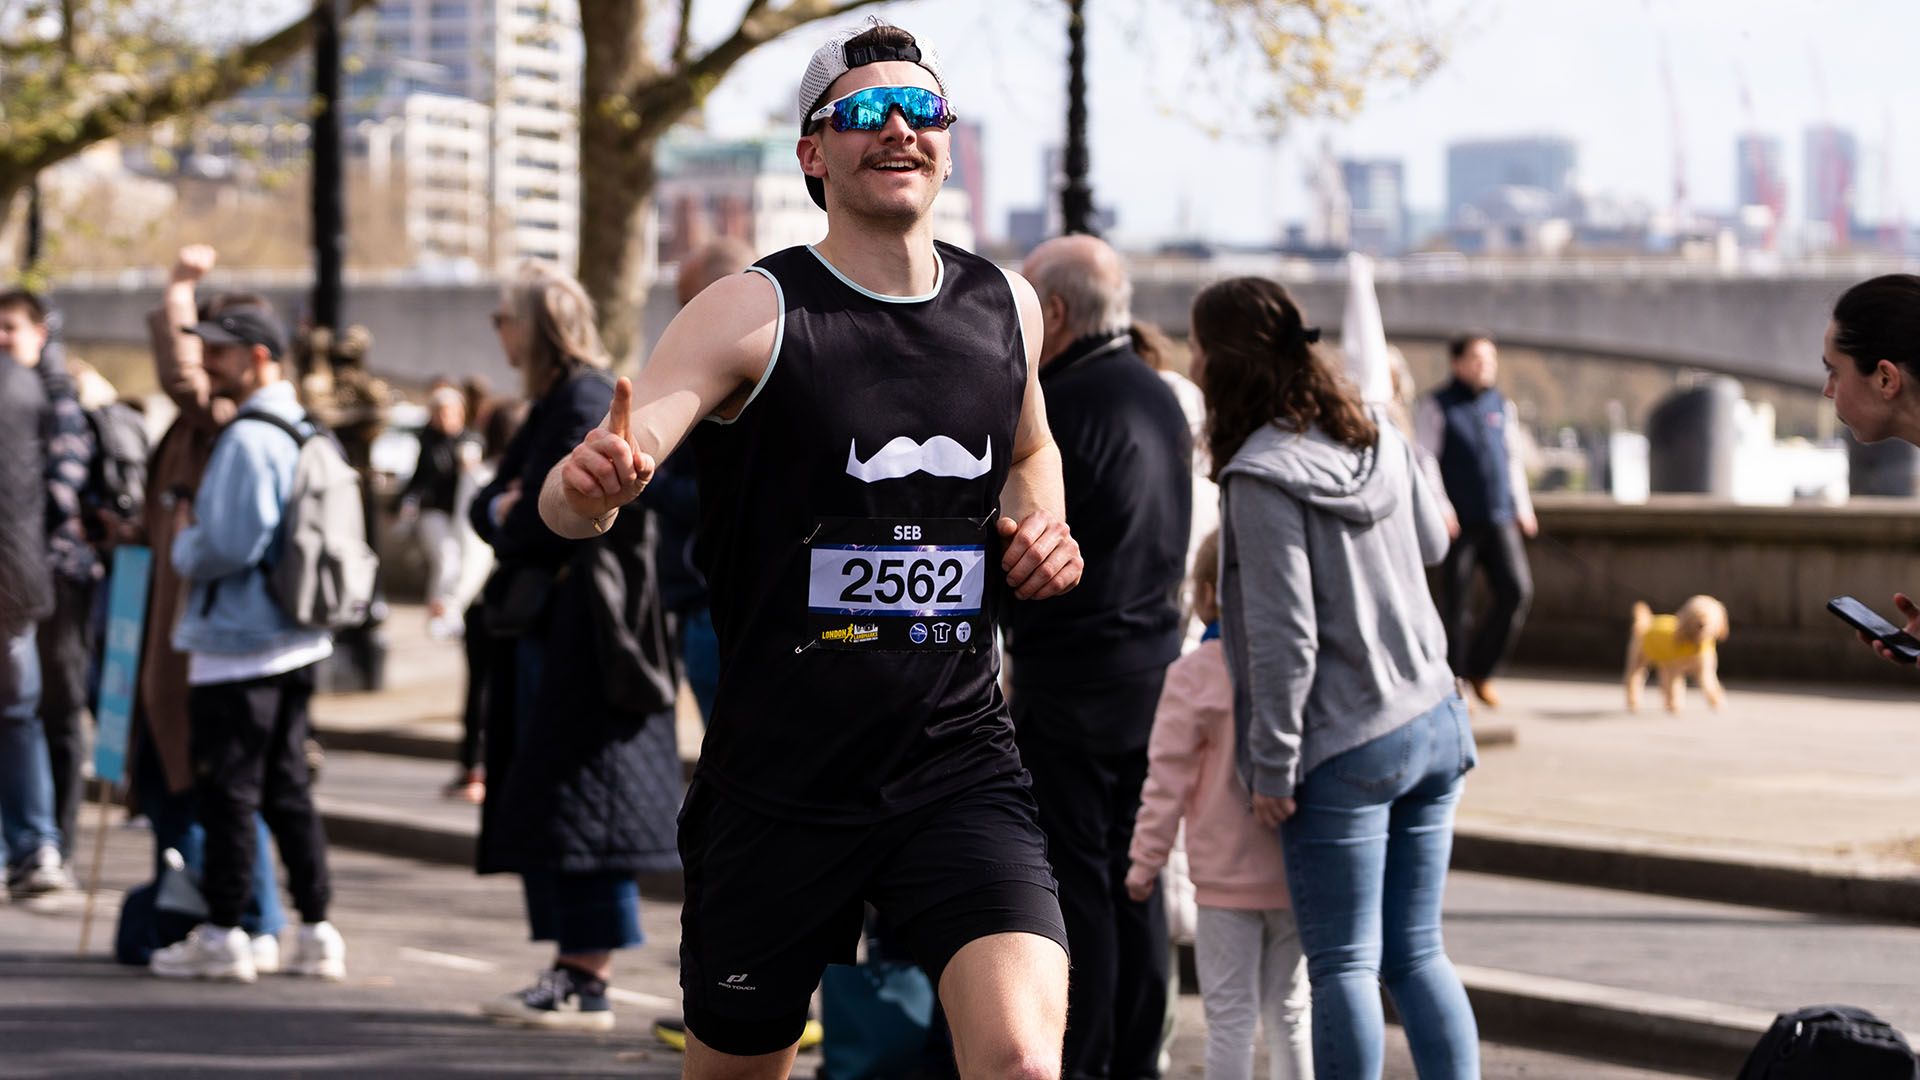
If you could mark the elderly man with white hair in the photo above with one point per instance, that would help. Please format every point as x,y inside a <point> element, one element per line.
<point>1087,667</point>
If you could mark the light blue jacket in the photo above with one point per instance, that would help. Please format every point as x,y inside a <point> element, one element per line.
<point>235,536</point>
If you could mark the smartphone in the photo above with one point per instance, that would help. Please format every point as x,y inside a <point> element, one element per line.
<point>1868,621</point>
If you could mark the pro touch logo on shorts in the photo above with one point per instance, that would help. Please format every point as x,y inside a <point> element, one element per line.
<point>736,982</point>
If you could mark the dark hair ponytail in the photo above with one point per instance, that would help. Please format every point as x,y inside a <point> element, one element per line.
<point>1879,319</point>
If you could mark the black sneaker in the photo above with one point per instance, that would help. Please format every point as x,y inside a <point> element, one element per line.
<point>561,998</point>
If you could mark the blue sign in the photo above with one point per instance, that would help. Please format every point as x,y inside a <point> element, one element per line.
<point>120,666</point>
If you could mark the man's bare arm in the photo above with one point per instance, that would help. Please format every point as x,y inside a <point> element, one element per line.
<point>712,354</point>
<point>1041,558</point>
<point>177,355</point>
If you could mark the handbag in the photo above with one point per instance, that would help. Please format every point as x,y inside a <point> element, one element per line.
<point>518,597</point>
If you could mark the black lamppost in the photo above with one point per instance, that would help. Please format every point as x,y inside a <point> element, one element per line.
<point>36,239</point>
<point>354,404</point>
<point>1076,198</point>
<point>329,217</point>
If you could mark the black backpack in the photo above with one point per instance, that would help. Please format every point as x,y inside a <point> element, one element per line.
<point>117,476</point>
<point>1829,1042</point>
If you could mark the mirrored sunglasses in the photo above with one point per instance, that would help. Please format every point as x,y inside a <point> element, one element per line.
<point>867,110</point>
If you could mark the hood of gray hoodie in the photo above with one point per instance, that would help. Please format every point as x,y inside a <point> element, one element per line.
<point>1362,486</point>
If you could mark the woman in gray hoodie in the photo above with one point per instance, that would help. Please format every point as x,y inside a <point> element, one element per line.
<point>1351,734</point>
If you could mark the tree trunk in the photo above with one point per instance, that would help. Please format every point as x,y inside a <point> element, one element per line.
<point>617,175</point>
<point>616,192</point>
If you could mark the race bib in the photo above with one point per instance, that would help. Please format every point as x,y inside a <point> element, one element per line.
<point>898,585</point>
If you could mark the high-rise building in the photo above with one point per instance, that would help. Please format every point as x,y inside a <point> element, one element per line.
<point>751,189</point>
<point>1759,176</point>
<point>487,89</point>
<point>1478,169</point>
<point>522,58</point>
<point>1376,205</point>
<point>1761,181</point>
<point>1832,161</point>
<point>967,147</point>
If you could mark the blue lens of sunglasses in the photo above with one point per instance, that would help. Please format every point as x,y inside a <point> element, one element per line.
<point>867,110</point>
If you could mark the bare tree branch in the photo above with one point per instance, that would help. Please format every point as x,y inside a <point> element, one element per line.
<point>62,135</point>
<point>683,37</point>
<point>665,100</point>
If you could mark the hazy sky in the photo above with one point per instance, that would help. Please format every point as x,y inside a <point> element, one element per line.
<point>1588,69</point>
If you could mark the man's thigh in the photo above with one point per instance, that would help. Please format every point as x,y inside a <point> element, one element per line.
<point>230,727</point>
<point>1005,998</point>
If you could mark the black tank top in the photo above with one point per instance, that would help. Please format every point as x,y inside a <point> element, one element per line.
<point>848,535</point>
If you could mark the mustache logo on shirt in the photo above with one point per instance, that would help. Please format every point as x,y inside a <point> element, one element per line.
<point>938,456</point>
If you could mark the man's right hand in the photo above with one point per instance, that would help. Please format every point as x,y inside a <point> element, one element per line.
<point>607,470</point>
<point>194,262</point>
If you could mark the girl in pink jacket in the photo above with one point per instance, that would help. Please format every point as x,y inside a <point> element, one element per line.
<point>1246,948</point>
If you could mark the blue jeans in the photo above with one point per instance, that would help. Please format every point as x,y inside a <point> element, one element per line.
<point>26,772</point>
<point>583,913</point>
<point>1366,854</point>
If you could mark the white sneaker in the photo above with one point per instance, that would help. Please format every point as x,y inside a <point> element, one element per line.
<point>320,952</point>
<point>41,873</point>
<point>209,952</point>
<point>266,953</point>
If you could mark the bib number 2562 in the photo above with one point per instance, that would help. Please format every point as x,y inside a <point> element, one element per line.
<point>897,585</point>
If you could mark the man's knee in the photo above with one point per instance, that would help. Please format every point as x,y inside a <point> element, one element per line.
<point>1015,1064</point>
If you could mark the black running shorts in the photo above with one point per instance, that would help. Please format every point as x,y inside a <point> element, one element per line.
<point>771,902</point>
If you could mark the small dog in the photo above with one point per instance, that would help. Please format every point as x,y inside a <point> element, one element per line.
<point>1677,646</point>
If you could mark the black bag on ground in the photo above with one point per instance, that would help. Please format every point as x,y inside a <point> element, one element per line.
<point>1827,1042</point>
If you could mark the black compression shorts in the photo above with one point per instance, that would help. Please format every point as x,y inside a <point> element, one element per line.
<point>771,902</point>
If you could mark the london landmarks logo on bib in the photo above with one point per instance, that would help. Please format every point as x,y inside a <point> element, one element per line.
<point>902,456</point>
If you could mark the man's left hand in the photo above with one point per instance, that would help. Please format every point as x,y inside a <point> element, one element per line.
<point>1042,558</point>
<point>1529,526</point>
<point>1270,810</point>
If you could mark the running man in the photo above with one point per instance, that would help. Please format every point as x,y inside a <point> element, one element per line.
<point>876,442</point>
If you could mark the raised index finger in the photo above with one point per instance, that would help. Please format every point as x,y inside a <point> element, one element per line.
<point>620,413</point>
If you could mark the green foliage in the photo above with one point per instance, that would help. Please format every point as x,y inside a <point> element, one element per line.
<point>76,72</point>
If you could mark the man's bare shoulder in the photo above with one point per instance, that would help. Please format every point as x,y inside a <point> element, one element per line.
<point>1023,293</point>
<point>732,322</point>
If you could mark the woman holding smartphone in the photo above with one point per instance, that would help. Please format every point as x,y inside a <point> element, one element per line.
<point>1349,730</point>
<point>1872,360</point>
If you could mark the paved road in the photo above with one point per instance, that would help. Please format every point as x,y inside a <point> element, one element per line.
<point>426,943</point>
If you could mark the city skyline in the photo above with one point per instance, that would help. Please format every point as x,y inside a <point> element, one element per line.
<point>1606,95</point>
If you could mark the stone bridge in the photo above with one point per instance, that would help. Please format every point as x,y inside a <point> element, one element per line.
<point>1757,326</point>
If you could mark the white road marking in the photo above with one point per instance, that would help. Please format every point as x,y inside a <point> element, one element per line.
<point>447,960</point>
<point>644,1000</point>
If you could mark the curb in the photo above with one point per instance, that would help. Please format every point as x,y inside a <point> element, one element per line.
<point>395,742</point>
<point>1748,880</point>
<point>372,829</point>
<point>1704,1038</point>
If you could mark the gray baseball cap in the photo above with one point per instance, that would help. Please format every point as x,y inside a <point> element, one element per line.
<point>835,58</point>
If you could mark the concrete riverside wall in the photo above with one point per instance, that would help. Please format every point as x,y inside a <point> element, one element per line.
<point>1774,568</point>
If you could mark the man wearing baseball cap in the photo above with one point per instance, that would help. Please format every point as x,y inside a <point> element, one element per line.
<point>250,666</point>
<point>876,480</point>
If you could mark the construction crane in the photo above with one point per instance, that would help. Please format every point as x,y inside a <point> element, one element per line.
<point>1681,218</point>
